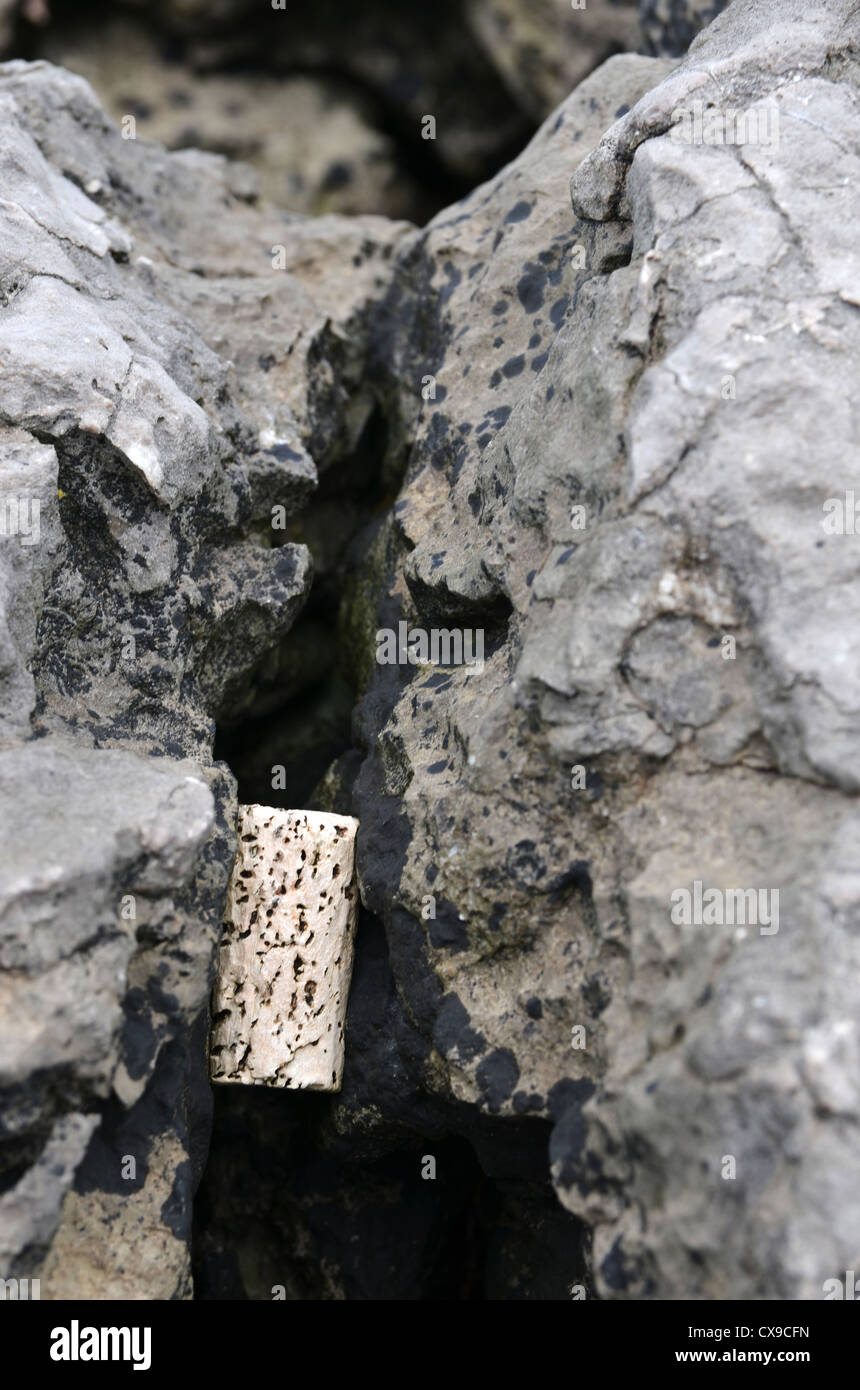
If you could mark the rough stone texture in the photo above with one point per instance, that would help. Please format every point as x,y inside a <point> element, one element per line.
<point>407,61</point>
<point>30,1211</point>
<point>122,1245</point>
<point>312,142</point>
<point>67,947</point>
<point>30,530</point>
<point>503,273</point>
<point>599,381</point>
<point>177,362</point>
<point>543,48</point>
<point>330,109</point>
<point>485,69</point>
<point>635,409</point>
<point>669,26</point>
<point>285,962</point>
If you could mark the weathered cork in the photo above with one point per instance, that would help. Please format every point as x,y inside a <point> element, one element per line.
<point>285,960</point>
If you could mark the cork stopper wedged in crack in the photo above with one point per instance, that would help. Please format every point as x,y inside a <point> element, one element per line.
<point>285,959</point>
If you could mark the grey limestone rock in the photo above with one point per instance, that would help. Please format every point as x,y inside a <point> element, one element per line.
<point>607,401</point>
<point>669,26</point>
<point>177,363</point>
<point>624,477</point>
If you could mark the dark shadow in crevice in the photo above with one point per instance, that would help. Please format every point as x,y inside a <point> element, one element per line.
<point>283,744</point>
<point>247,51</point>
<point>385,1191</point>
<point>279,759</point>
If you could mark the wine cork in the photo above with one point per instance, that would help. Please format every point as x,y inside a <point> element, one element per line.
<point>285,960</point>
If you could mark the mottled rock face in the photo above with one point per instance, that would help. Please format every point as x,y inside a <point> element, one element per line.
<point>616,479</point>
<point>471,813</point>
<point>600,411</point>
<point>542,49</point>
<point>669,26</point>
<point>466,61</point>
<point>390,109</point>
<point>158,433</point>
<point>312,141</point>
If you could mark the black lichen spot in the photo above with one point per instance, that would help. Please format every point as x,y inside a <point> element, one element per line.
<point>138,1036</point>
<point>338,175</point>
<point>539,362</point>
<point>559,309</point>
<point>530,287</point>
<point>453,276</point>
<point>497,915</point>
<point>523,1101</point>
<point>534,1008</point>
<point>514,366</point>
<point>446,931</point>
<point>176,1211</point>
<point>519,212</point>
<point>565,1102</point>
<point>451,1031</point>
<point>576,875</point>
<point>141,110</point>
<point>284,454</point>
<point>594,785</point>
<point>497,1076</point>
<point>524,863</point>
<point>613,1268</point>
